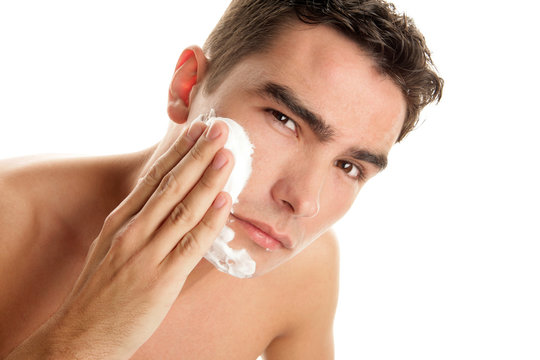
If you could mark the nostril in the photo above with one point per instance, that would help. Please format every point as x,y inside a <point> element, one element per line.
<point>289,205</point>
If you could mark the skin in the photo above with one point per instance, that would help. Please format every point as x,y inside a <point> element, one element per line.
<point>99,259</point>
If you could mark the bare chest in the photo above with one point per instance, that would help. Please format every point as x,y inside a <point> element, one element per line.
<point>214,325</point>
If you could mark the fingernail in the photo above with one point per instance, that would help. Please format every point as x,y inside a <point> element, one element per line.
<point>195,130</point>
<point>219,161</point>
<point>220,201</point>
<point>213,132</point>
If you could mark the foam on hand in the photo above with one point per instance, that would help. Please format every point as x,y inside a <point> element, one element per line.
<point>237,263</point>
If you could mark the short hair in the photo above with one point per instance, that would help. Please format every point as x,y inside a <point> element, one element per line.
<point>390,38</point>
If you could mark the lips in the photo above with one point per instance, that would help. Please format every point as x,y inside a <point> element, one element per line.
<point>263,234</point>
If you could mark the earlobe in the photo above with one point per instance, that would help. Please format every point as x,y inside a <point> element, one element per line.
<point>190,69</point>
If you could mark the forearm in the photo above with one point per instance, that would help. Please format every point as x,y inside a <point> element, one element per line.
<point>47,345</point>
<point>49,342</point>
<point>35,347</point>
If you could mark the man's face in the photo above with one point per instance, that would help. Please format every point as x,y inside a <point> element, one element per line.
<point>305,176</point>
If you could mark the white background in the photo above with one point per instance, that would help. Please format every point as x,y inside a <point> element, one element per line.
<point>440,254</point>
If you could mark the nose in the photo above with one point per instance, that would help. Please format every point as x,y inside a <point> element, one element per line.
<point>298,190</point>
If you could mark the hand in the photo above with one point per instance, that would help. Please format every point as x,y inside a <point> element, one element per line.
<point>147,247</point>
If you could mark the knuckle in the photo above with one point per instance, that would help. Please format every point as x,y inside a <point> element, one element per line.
<point>117,246</point>
<point>128,231</point>
<point>170,184</point>
<point>181,214</point>
<point>197,154</point>
<point>207,182</point>
<point>116,253</point>
<point>188,244</point>
<point>153,177</point>
<point>111,221</point>
<point>123,240</point>
<point>178,148</point>
<point>205,222</point>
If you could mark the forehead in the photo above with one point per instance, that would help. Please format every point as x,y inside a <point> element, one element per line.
<point>334,78</point>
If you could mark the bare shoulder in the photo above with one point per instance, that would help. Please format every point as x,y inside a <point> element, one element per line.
<point>311,298</point>
<point>17,227</point>
<point>16,206</point>
<point>22,214</point>
<point>26,256</point>
<point>35,194</point>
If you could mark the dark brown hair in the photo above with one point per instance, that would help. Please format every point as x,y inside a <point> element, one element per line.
<point>390,38</point>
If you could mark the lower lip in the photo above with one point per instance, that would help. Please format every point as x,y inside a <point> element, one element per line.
<point>260,238</point>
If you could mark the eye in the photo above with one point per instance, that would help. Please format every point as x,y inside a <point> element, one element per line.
<point>284,119</point>
<point>352,170</point>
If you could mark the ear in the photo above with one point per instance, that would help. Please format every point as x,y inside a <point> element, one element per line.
<point>190,68</point>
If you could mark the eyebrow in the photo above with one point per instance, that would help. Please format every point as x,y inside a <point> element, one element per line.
<point>324,132</point>
<point>286,97</point>
<point>379,160</point>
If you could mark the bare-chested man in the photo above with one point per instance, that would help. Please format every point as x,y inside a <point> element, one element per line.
<point>101,258</point>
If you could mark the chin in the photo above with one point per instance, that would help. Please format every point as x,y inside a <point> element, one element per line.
<point>266,259</point>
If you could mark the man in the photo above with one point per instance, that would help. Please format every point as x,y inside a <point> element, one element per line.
<point>102,257</point>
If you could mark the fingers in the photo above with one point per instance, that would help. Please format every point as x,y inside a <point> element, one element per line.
<point>146,186</point>
<point>143,190</point>
<point>188,213</point>
<point>185,254</point>
<point>175,185</point>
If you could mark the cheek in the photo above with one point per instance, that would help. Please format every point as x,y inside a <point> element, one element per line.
<point>271,149</point>
<point>336,199</point>
<point>263,157</point>
<point>266,161</point>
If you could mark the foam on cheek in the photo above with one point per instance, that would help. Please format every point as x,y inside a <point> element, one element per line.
<point>237,263</point>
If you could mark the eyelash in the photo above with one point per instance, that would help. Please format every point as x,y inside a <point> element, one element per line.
<point>348,165</point>
<point>280,117</point>
<point>342,164</point>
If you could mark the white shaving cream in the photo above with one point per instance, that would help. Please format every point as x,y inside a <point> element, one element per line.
<point>237,263</point>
